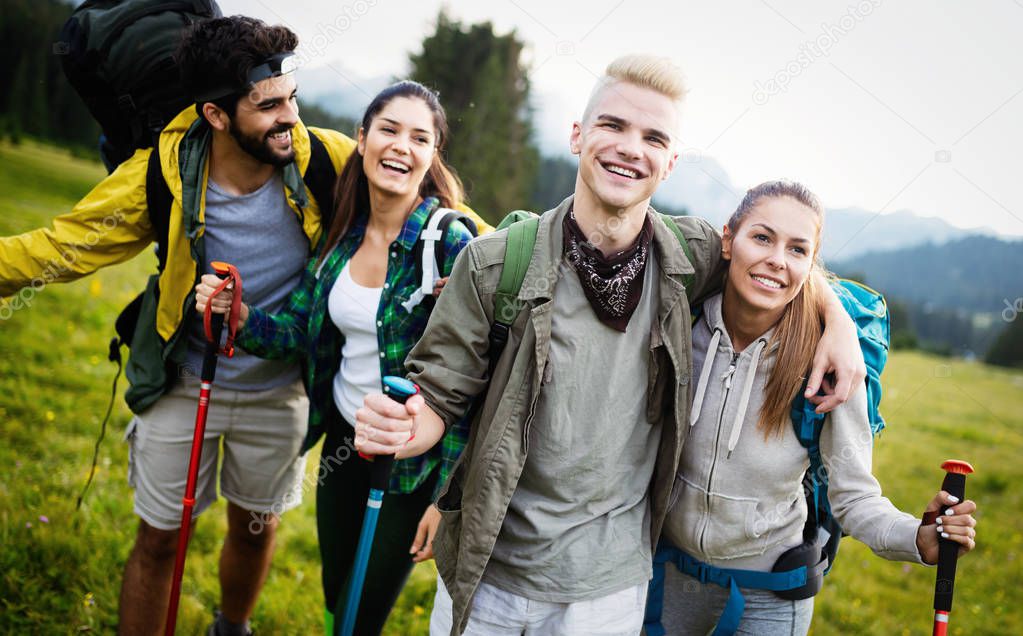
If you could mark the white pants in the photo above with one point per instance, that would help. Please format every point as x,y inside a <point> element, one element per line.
<point>499,613</point>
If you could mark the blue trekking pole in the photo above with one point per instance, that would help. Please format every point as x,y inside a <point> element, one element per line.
<point>399,389</point>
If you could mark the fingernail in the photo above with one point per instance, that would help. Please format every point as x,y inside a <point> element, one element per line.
<point>953,499</point>
<point>944,535</point>
<point>949,512</point>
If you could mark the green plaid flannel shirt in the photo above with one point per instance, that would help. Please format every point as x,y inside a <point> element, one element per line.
<point>304,332</point>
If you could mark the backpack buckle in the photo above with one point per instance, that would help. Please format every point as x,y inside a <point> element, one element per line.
<point>499,334</point>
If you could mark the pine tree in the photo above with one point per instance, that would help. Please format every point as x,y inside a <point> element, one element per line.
<point>485,91</point>
<point>1007,351</point>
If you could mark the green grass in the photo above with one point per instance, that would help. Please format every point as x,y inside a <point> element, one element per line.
<point>62,576</point>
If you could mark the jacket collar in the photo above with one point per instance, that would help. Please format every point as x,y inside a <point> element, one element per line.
<point>353,238</point>
<point>545,266</point>
<point>184,151</point>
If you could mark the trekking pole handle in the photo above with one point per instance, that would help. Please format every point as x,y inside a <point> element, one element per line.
<point>209,359</point>
<point>948,550</point>
<point>398,389</point>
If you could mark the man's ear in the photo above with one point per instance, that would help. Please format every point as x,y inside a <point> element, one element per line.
<point>575,141</point>
<point>726,243</point>
<point>671,165</point>
<point>215,116</point>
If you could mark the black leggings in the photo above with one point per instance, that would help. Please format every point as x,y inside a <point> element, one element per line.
<point>340,506</point>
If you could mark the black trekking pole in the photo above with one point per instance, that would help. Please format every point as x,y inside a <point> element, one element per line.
<point>948,550</point>
<point>399,389</point>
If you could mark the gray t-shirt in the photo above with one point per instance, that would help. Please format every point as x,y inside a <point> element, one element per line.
<point>261,235</point>
<point>578,525</point>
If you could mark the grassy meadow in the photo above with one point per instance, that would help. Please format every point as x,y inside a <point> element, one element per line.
<point>60,569</point>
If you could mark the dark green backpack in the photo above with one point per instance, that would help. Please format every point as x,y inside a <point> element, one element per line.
<point>119,57</point>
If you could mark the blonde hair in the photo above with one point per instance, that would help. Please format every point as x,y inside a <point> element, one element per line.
<point>799,330</point>
<point>659,74</point>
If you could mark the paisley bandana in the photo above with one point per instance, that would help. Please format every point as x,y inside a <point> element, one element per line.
<point>613,284</point>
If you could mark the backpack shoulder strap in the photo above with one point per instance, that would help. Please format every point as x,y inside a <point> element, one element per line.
<point>320,177</point>
<point>445,222</point>
<point>426,255</point>
<point>158,200</point>
<point>517,254</point>
<point>688,280</point>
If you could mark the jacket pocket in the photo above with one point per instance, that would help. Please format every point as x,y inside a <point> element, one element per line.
<point>445,544</point>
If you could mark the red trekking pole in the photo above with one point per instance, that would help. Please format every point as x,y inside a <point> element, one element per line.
<point>213,324</point>
<point>948,550</point>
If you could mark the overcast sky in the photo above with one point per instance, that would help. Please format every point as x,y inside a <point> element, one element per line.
<point>879,104</point>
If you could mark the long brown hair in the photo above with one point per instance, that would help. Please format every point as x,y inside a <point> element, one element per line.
<point>352,188</point>
<point>799,330</point>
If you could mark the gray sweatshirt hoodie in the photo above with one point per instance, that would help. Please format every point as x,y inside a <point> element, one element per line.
<point>737,499</point>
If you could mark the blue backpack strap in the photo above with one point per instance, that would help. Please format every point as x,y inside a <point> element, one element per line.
<point>655,591</point>
<point>728,578</point>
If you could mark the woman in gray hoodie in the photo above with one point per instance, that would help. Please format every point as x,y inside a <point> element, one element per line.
<point>738,497</point>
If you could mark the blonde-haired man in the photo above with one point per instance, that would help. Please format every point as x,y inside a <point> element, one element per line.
<point>550,518</point>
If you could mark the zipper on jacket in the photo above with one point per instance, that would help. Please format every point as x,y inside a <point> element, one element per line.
<point>717,442</point>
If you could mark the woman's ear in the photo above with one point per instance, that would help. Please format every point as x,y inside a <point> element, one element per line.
<point>361,144</point>
<point>726,243</point>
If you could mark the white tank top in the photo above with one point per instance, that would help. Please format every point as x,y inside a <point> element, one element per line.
<point>353,308</point>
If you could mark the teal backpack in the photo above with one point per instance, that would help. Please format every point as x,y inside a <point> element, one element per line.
<point>799,572</point>
<point>869,312</point>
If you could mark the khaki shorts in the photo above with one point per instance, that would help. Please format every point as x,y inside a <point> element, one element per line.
<point>262,434</point>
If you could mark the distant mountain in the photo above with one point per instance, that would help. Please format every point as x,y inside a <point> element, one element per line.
<point>339,90</point>
<point>851,232</point>
<point>976,274</point>
<point>699,184</point>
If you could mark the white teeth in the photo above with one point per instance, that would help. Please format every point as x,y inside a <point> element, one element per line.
<point>767,281</point>
<point>395,165</point>
<point>625,172</point>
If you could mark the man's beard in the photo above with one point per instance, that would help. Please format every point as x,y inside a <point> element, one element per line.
<point>260,149</point>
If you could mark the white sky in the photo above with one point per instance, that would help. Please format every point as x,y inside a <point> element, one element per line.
<point>916,105</point>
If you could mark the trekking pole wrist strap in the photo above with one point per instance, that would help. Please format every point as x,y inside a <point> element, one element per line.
<point>230,275</point>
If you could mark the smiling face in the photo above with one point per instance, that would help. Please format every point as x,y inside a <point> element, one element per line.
<point>263,120</point>
<point>625,146</point>
<point>399,146</point>
<point>771,253</point>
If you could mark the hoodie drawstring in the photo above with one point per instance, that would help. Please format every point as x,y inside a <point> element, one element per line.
<point>747,388</point>
<point>701,386</point>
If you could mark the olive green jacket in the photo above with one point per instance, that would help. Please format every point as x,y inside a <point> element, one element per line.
<point>450,365</point>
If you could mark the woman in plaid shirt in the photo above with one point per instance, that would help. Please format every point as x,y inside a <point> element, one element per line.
<point>350,321</point>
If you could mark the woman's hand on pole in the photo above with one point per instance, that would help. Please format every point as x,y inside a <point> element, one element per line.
<point>222,303</point>
<point>386,427</point>
<point>422,545</point>
<point>954,521</point>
